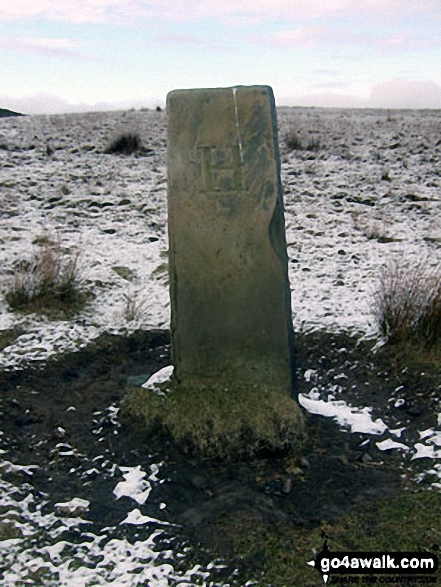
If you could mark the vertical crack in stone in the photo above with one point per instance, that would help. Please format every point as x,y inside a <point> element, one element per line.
<point>239,136</point>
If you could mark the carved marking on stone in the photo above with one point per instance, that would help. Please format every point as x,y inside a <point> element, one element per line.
<point>220,167</point>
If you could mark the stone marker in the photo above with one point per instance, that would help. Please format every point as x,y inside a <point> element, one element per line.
<point>230,297</point>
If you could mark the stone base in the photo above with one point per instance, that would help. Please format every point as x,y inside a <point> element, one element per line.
<point>220,424</point>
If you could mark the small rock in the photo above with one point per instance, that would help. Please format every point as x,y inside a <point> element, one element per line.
<point>9,530</point>
<point>54,199</point>
<point>199,480</point>
<point>59,432</point>
<point>74,507</point>
<point>287,485</point>
<point>414,411</point>
<point>124,272</point>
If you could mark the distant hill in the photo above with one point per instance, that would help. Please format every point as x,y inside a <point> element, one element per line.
<point>4,113</point>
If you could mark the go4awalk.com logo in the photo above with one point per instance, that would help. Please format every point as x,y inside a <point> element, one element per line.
<point>407,568</point>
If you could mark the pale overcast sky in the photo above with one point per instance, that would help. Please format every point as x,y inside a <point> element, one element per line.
<point>71,55</point>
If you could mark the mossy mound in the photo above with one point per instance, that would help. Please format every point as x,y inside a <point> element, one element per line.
<point>218,424</point>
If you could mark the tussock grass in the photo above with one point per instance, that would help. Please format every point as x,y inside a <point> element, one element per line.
<point>218,424</point>
<point>49,283</point>
<point>295,143</point>
<point>407,303</point>
<point>124,144</point>
<point>134,306</point>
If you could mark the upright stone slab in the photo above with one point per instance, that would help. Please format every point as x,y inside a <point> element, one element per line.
<point>230,296</point>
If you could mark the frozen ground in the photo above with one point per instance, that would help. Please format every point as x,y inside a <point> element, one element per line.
<point>369,194</point>
<point>343,221</point>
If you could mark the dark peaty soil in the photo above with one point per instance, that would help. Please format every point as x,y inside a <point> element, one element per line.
<point>334,475</point>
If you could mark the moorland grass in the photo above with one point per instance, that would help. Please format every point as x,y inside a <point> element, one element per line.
<point>276,555</point>
<point>407,303</point>
<point>295,143</point>
<point>126,143</point>
<point>49,283</point>
<point>219,424</point>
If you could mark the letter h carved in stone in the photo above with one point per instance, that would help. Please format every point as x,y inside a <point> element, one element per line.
<point>220,167</point>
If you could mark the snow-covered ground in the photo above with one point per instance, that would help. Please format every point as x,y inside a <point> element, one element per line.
<point>42,554</point>
<point>371,193</point>
<point>110,208</point>
<point>343,221</point>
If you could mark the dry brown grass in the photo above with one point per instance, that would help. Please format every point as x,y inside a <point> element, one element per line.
<point>134,306</point>
<point>407,303</point>
<point>295,142</point>
<point>49,282</point>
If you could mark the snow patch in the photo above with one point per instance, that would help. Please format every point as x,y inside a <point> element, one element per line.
<point>426,451</point>
<point>136,518</point>
<point>134,486</point>
<point>357,419</point>
<point>390,444</point>
<point>161,376</point>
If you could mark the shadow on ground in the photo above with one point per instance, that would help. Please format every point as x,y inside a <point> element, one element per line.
<point>68,401</point>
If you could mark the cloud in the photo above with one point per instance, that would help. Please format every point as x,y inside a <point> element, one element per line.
<point>326,100</point>
<point>326,72</point>
<point>406,41</point>
<point>402,93</point>
<point>309,37</point>
<point>329,85</point>
<point>46,47</point>
<point>76,11</point>
<point>105,10</point>
<point>318,36</point>
<point>269,9</point>
<point>393,94</point>
<point>36,104</point>
<point>180,39</point>
<point>306,37</point>
<point>230,11</point>
<point>42,103</point>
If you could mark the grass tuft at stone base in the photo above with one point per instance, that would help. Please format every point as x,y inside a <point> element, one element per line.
<point>218,424</point>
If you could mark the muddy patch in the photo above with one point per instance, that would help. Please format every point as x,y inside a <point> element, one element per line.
<point>60,425</point>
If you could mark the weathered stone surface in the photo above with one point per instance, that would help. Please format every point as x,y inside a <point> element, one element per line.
<point>230,297</point>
